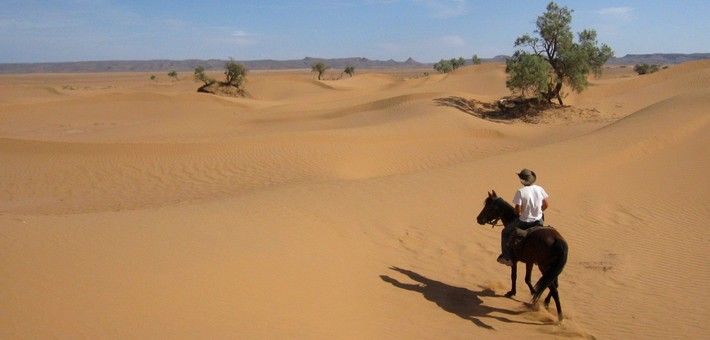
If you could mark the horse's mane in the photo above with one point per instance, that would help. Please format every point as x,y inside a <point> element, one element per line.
<point>505,204</point>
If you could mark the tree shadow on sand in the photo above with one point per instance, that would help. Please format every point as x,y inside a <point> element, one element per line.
<point>465,303</point>
<point>504,110</point>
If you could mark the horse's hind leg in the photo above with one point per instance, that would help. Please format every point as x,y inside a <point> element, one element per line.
<point>528,274</point>
<point>549,295</point>
<point>556,296</point>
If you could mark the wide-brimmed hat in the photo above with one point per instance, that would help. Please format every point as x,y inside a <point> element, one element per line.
<point>527,176</point>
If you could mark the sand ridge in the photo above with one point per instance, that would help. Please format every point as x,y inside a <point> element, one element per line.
<point>343,208</point>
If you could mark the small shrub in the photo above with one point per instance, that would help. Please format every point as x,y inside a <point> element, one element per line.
<point>350,70</point>
<point>152,77</point>
<point>646,68</point>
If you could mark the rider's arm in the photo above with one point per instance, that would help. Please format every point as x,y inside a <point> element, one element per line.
<point>518,209</point>
<point>544,204</point>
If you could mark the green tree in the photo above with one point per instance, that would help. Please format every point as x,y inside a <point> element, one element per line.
<point>528,73</point>
<point>456,63</point>
<point>235,74</point>
<point>350,70</point>
<point>570,62</point>
<point>444,66</point>
<point>475,60</point>
<point>201,76</point>
<point>320,68</point>
<point>173,74</point>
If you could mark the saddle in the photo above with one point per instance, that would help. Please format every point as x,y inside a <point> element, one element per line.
<point>520,234</point>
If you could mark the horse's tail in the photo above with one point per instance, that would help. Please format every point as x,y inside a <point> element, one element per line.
<point>548,277</point>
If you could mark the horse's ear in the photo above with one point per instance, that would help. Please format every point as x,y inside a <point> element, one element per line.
<point>489,194</point>
<point>494,194</point>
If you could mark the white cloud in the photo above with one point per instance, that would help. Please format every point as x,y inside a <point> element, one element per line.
<point>453,40</point>
<point>445,9</point>
<point>617,13</point>
<point>242,38</point>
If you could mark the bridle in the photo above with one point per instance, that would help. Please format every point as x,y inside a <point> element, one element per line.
<point>494,222</point>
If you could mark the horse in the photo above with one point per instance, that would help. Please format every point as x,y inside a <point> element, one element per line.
<point>543,247</point>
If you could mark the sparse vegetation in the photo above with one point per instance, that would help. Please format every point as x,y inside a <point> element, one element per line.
<point>201,76</point>
<point>475,60</point>
<point>569,62</point>
<point>456,63</point>
<point>235,73</point>
<point>646,68</point>
<point>528,73</point>
<point>152,77</point>
<point>320,68</point>
<point>349,70</point>
<point>446,66</point>
<point>235,77</point>
<point>173,74</point>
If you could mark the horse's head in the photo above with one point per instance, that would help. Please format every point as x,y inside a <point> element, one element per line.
<point>490,212</point>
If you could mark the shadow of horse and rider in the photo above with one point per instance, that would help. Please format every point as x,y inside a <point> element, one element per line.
<point>543,247</point>
<point>464,303</point>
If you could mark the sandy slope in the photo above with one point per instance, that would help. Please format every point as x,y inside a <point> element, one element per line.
<point>343,208</point>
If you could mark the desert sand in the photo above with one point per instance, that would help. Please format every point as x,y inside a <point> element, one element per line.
<point>132,208</point>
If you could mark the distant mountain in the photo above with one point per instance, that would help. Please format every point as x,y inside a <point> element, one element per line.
<point>305,63</point>
<point>657,58</point>
<point>189,65</point>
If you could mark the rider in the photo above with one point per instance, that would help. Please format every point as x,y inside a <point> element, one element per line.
<point>530,201</point>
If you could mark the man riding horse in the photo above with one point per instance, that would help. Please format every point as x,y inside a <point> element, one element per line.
<point>530,201</point>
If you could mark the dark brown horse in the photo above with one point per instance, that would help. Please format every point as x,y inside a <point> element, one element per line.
<point>544,247</point>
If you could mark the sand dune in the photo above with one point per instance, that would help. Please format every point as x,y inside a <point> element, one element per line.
<point>343,208</point>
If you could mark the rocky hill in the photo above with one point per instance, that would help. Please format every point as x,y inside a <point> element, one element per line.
<point>305,63</point>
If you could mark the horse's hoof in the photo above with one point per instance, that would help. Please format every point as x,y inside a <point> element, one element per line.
<point>510,294</point>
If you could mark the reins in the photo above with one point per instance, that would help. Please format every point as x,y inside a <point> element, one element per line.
<point>494,222</point>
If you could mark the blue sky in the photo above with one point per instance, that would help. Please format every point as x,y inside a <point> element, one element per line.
<point>427,30</point>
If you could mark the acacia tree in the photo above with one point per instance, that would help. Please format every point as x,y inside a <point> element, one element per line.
<point>528,73</point>
<point>570,62</point>
<point>456,63</point>
<point>173,74</point>
<point>349,70</point>
<point>201,76</point>
<point>444,66</point>
<point>235,74</point>
<point>319,67</point>
<point>475,60</point>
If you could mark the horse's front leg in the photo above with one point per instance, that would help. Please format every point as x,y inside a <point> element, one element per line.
<point>513,278</point>
<point>528,276</point>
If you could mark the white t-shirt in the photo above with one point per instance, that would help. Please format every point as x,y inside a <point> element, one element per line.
<point>530,200</point>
